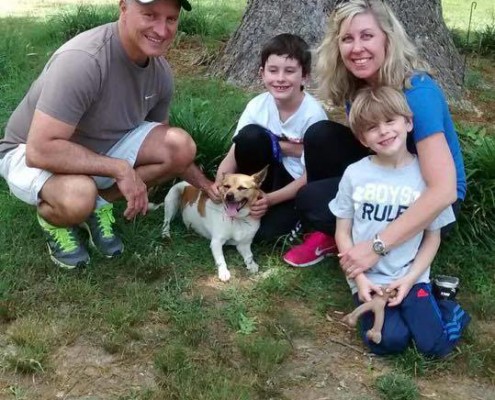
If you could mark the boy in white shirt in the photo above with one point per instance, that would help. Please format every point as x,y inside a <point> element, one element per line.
<point>373,192</point>
<point>271,132</point>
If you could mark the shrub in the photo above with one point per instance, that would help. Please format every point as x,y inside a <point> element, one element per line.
<point>70,23</point>
<point>476,221</point>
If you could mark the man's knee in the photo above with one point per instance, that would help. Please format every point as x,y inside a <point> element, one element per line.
<point>182,145</point>
<point>71,198</point>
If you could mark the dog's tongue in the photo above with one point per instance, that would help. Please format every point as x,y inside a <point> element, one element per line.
<point>231,209</point>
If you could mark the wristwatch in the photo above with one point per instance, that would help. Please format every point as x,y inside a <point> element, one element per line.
<point>379,247</point>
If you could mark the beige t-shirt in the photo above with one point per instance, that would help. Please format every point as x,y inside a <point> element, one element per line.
<point>91,83</point>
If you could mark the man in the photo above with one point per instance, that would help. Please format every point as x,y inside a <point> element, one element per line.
<point>94,128</point>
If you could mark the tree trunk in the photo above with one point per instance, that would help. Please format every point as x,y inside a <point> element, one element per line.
<point>263,19</point>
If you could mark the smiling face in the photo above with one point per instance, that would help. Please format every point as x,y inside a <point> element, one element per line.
<point>362,46</point>
<point>148,30</point>
<point>283,78</point>
<point>388,138</point>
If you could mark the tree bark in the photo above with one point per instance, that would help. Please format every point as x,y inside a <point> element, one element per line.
<point>422,19</point>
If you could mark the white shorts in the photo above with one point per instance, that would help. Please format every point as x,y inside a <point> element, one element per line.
<point>26,183</point>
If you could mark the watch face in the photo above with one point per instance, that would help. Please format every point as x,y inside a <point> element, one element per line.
<point>378,247</point>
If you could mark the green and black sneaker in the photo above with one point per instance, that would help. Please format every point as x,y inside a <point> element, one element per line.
<point>65,248</point>
<point>101,234</point>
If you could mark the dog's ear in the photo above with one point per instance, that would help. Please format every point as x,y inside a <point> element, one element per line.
<point>259,177</point>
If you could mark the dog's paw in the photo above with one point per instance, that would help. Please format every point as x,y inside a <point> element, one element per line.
<point>223,274</point>
<point>253,267</point>
<point>166,232</point>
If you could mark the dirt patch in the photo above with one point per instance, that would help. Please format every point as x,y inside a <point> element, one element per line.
<point>85,371</point>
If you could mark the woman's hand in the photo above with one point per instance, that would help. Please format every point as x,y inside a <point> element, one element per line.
<point>358,259</point>
<point>260,206</point>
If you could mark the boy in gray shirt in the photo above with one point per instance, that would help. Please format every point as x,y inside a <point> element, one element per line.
<point>373,192</point>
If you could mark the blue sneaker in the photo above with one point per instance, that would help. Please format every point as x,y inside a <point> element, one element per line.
<point>101,234</point>
<point>64,246</point>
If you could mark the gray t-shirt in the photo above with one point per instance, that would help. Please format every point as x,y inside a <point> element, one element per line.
<point>91,83</point>
<point>373,196</point>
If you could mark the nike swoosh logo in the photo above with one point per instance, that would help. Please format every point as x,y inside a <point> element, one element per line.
<point>319,252</point>
<point>149,96</point>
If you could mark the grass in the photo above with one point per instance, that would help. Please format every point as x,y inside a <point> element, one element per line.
<point>397,387</point>
<point>159,307</point>
<point>479,37</point>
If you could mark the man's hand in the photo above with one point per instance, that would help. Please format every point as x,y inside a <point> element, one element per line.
<point>366,288</point>
<point>213,192</point>
<point>134,191</point>
<point>358,259</point>
<point>403,286</point>
<point>260,206</point>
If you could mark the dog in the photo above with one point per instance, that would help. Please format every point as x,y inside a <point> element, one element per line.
<point>228,222</point>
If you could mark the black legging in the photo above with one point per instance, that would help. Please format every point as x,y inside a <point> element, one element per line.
<point>253,151</point>
<point>329,148</point>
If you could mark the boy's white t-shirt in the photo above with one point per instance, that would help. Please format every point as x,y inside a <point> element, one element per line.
<point>262,110</point>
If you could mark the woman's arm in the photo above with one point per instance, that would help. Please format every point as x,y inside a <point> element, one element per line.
<point>438,171</point>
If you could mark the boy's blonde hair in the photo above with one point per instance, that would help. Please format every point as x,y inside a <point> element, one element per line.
<point>401,57</point>
<point>374,105</point>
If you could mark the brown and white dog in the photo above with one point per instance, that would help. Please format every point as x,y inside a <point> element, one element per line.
<point>227,222</point>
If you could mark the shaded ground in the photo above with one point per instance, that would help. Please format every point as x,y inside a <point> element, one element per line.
<point>331,365</point>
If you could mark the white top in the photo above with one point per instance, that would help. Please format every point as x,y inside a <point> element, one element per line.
<point>263,111</point>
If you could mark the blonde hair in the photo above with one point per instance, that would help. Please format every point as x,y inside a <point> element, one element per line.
<point>401,57</point>
<point>374,105</point>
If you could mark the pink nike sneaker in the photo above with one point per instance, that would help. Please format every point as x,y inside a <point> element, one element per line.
<point>316,246</point>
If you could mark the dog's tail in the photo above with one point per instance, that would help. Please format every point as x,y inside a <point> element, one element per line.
<point>154,206</point>
<point>171,205</point>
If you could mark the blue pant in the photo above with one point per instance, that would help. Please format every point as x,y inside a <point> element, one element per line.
<point>434,326</point>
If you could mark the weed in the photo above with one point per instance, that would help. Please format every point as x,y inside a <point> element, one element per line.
<point>27,360</point>
<point>395,386</point>
<point>479,206</point>
<point>189,316</point>
<point>185,375</point>
<point>70,23</point>
<point>412,363</point>
<point>264,353</point>
<point>247,325</point>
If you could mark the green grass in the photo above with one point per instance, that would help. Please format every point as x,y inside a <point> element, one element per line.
<point>397,387</point>
<point>159,305</point>
<point>481,38</point>
<point>456,14</point>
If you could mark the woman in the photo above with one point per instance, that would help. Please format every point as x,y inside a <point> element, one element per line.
<point>366,45</point>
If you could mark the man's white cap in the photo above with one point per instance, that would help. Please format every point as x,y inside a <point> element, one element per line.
<point>184,3</point>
